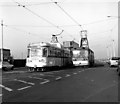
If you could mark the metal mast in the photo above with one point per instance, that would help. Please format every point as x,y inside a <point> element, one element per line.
<point>2,43</point>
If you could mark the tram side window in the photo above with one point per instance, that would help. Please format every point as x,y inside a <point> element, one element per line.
<point>51,53</point>
<point>45,52</point>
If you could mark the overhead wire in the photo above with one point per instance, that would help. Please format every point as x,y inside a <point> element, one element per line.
<point>37,15</point>
<point>20,30</point>
<point>104,20</point>
<point>42,26</point>
<point>69,15</point>
<point>42,3</point>
<point>8,6</point>
<point>40,17</point>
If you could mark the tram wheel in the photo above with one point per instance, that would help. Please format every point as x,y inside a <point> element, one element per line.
<point>43,69</point>
<point>30,69</point>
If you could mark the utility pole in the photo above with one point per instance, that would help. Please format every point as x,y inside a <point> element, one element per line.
<point>113,48</point>
<point>108,52</point>
<point>2,43</point>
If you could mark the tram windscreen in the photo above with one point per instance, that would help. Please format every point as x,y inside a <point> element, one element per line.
<point>37,52</point>
<point>34,52</point>
<point>80,55</point>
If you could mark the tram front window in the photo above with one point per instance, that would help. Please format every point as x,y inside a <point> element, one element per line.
<point>36,52</point>
<point>80,55</point>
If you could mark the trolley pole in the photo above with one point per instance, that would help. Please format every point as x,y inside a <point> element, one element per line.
<point>2,43</point>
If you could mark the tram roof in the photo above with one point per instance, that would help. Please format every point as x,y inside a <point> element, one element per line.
<point>45,44</point>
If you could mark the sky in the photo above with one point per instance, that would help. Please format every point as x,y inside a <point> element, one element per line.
<point>29,21</point>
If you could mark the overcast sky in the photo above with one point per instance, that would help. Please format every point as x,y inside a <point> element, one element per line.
<point>39,19</point>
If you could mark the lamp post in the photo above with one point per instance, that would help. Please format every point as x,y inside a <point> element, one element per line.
<point>118,35</point>
<point>113,17</point>
<point>2,43</point>
<point>113,48</point>
<point>107,52</point>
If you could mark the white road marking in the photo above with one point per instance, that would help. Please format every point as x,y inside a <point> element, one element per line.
<point>45,82</point>
<point>6,88</point>
<point>74,73</point>
<point>58,71</point>
<point>0,95</point>
<point>24,88</point>
<point>37,74</point>
<point>37,78</point>
<point>16,72</point>
<point>49,75</point>
<point>67,75</point>
<point>49,72</point>
<point>24,82</point>
<point>58,78</point>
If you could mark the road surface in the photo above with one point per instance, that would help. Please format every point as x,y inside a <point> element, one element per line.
<point>95,84</point>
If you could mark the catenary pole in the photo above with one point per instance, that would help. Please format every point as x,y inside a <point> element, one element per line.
<point>2,42</point>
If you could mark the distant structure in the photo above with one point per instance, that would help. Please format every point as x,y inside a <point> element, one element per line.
<point>70,45</point>
<point>6,55</point>
<point>84,41</point>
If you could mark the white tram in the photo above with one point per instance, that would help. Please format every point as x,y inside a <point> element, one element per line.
<point>45,55</point>
<point>83,57</point>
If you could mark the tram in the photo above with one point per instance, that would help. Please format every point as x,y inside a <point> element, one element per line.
<point>43,55</point>
<point>83,57</point>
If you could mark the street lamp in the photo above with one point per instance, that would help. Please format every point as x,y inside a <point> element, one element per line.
<point>113,48</point>
<point>2,43</point>
<point>113,39</point>
<point>109,51</point>
<point>113,16</point>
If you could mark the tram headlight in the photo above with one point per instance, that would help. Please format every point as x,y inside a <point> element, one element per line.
<point>42,60</point>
